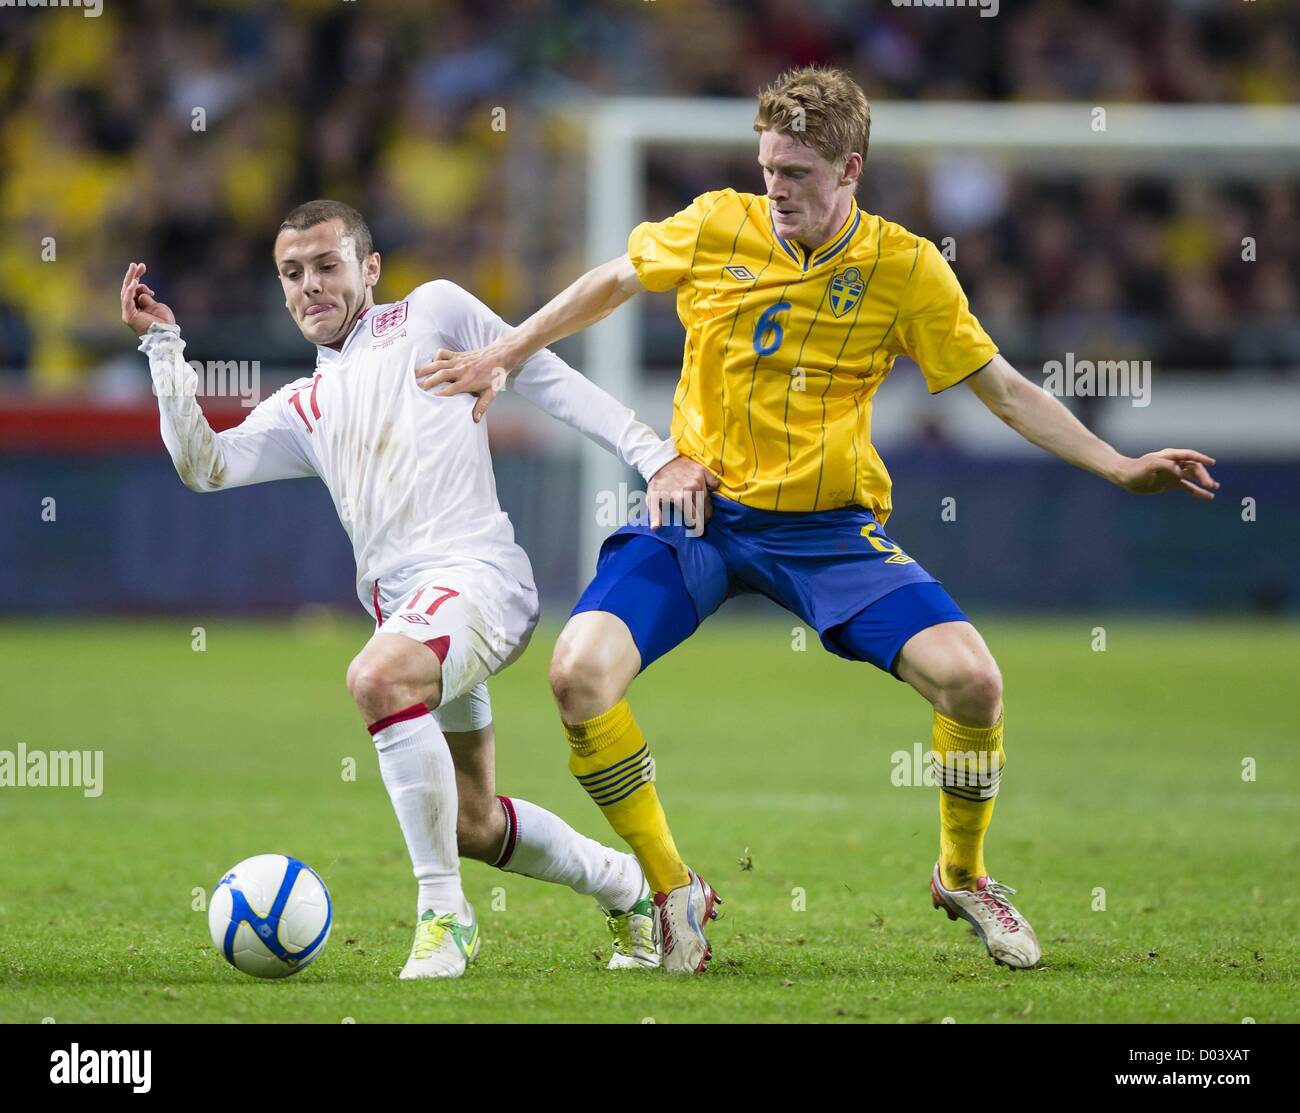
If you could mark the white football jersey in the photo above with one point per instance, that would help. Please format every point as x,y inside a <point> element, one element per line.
<point>409,472</point>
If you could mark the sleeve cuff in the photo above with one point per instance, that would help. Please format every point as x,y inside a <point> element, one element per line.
<point>963,378</point>
<point>664,454</point>
<point>162,340</point>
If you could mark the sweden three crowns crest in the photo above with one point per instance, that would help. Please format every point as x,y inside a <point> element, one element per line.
<point>846,290</point>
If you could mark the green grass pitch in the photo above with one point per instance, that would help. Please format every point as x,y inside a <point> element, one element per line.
<point>1124,785</point>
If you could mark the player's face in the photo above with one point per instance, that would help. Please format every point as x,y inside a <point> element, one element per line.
<point>325,286</point>
<point>805,190</point>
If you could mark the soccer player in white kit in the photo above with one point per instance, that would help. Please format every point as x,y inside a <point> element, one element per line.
<point>451,593</point>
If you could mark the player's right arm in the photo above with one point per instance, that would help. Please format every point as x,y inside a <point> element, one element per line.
<point>264,447</point>
<point>591,298</point>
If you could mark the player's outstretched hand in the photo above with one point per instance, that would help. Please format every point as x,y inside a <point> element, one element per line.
<point>478,372</point>
<point>683,487</point>
<point>139,307</point>
<point>1167,469</point>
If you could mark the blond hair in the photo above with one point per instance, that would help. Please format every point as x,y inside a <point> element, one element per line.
<point>822,107</point>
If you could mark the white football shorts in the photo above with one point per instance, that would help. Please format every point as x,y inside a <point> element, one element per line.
<point>474,617</point>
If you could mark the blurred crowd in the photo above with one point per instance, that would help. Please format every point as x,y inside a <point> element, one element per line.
<point>179,133</point>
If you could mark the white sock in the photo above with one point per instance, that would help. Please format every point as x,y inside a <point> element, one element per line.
<point>541,845</point>
<point>417,769</point>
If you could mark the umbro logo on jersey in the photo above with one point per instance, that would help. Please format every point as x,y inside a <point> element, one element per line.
<point>741,274</point>
<point>388,320</point>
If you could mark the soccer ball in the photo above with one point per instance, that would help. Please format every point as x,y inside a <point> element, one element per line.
<point>270,916</point>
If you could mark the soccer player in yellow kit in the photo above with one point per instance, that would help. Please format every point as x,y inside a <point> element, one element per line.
<point>796,304</point>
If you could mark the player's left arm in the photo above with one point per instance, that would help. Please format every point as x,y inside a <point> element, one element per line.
<point>1042,420</point>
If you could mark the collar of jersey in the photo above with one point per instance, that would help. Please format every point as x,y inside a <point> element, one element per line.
<point>804,260</point>
<point>329,355</point>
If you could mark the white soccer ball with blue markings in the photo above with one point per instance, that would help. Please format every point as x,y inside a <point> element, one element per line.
<point>270,916</point>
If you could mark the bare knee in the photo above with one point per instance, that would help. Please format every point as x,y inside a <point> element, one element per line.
<point>950,665</point>
<point>381,687</point>
<point>370,685</point>
<point>588,677</point>
<point>973,695</point>
<point>575,686</point>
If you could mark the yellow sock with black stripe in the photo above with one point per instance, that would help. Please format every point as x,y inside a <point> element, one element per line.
<point>611,759</point>
<point>968,765</point>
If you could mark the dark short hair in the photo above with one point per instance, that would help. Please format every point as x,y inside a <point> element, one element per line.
<point>312,213</point>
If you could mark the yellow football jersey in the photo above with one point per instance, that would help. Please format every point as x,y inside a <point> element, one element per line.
<point>785,347</point>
